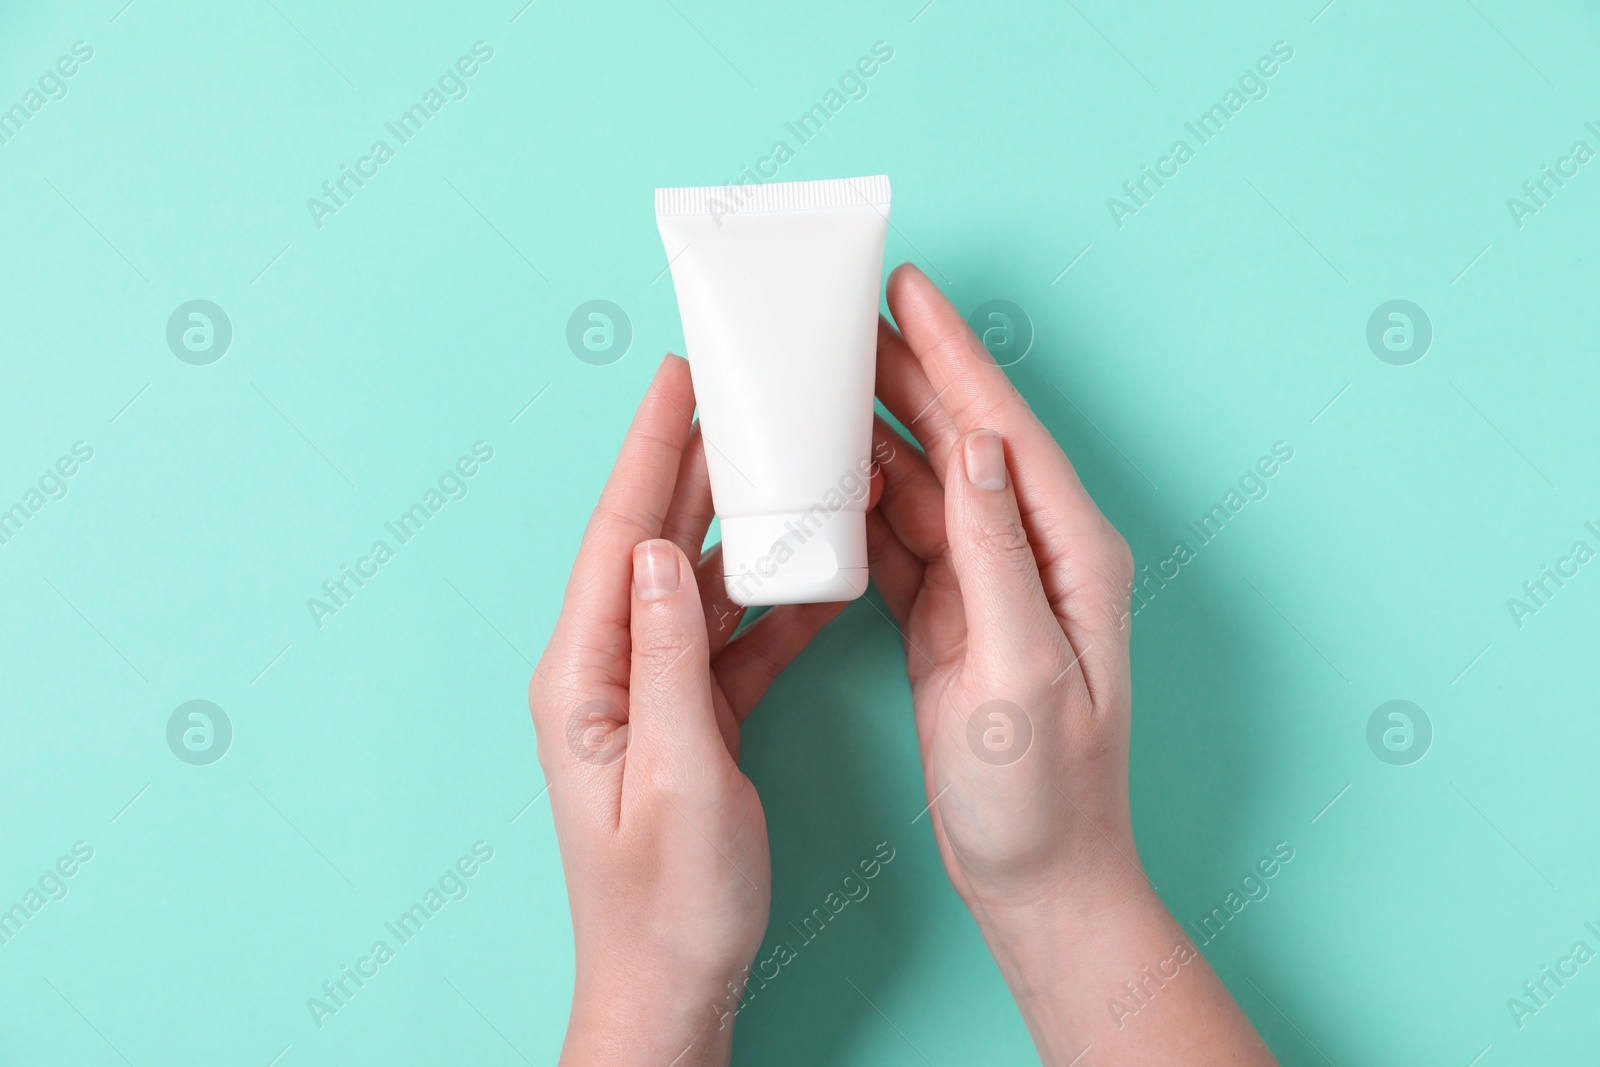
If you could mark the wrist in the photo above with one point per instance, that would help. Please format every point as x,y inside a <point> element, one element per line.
<point>1077,878</point>
<point>1039,931</point>
<point>647,1016</point>
<point>1073,939</point>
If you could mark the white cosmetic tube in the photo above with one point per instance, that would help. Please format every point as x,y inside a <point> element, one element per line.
<point>778,289</point>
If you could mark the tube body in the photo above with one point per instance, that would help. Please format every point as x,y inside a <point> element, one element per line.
<point>778,290</point>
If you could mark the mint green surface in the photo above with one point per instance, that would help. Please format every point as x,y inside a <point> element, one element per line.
<point>1227,314</point>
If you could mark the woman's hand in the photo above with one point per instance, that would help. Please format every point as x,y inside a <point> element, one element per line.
<point>1012,592</point>
<point>637,702</point>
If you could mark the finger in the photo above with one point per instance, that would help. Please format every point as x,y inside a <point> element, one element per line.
<point>896,570</point>
<point>1084,563</point>
<point>631,508</point>
<point>722,614</point>
<point>977,394</point>
<point>970,386</point>
<point>587,653</point>
<point>912,499</point>
<point>669,689</point>
<point>747,668</point>
<point>908,584</point>
<point>904,388</point>
<point>689,514</point>
<point>1006,607</point>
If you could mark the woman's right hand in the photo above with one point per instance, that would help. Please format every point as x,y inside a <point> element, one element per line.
<point>1011,589</point>
<point>1012,593</point>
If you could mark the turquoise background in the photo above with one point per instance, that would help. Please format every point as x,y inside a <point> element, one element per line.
<point>369,354</point>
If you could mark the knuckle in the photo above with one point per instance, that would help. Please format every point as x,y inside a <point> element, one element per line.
<point>1003,541</point>
<point>656,654</point>
<point>537,695</point>
<point>540,701</point>
<point>1119,560</point>
<point>596,732</point>
<point>556,680</point>
<point>675,779</point>
<point>1115,576</point>
<point>546,757</point>
<point>765,664</point>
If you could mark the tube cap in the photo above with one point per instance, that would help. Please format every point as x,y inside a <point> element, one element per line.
<point>800,557</point>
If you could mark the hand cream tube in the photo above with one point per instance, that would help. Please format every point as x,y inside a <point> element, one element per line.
<point>778,288</point>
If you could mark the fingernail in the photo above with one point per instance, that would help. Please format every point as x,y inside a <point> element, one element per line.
<point>655,570</point>
<point>986,460</point>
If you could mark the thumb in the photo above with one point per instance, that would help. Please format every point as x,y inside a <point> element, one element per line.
<point>669,703</point>
<point>1006,607</point>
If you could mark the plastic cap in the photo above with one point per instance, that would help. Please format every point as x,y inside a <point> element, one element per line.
<point>796,557</point>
